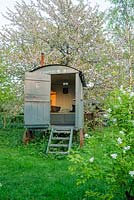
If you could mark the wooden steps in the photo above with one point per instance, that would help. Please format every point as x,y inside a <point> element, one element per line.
<point>58,145</point>
<point>60,152</point>
<point>60,138</point>
<point>60,141</point>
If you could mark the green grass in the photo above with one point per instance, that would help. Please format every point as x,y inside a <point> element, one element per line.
<point>26,173</point>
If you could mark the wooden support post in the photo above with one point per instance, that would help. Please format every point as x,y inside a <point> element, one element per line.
<point>4,120</point>
<point>28,136</point>
<point>81,138</point>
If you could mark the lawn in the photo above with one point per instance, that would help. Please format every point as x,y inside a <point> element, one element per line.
<point>28,174</point>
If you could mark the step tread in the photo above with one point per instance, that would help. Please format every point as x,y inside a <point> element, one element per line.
<point>60,138</point>
<point>61,131</point>
<point>58,152</point>
<point>58,145</point>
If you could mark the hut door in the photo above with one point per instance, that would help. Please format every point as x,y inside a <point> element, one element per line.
<point>37,99</point>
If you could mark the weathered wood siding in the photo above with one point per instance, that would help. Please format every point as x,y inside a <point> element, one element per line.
<point>38,88</point>
<point>37,99</point>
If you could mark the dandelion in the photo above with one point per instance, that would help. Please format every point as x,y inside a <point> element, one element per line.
<point>114,155</point>
<point>119,140</point>
<point>131,173</point>
<point>91,159</point>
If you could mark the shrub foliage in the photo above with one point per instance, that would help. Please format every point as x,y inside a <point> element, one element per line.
<point>106,161</point>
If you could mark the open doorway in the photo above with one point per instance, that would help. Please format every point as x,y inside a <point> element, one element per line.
<point>63,99</point>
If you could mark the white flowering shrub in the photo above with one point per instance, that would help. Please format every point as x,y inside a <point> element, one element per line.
<point>121,109</point>
<point>106,162</point>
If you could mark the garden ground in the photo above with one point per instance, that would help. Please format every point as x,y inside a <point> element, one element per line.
<point>28,174</point>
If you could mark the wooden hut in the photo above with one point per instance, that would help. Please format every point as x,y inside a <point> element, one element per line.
<point>54,100</point>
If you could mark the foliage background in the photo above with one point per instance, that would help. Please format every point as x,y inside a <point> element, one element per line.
<point>100,44</point>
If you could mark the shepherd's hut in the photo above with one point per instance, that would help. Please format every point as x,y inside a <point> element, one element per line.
<point>54,100</point>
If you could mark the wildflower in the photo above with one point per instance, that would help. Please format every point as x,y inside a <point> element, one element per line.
<point>105,115</point>
<point>121,87</point>
<point>131,173</point>
<point>123,92</point>
<point>114,120</point>
<point>109,110</point>
<point>114,155</point>
<point>132,121</point>
<point>116,106</point>
<point>119,98</point>
<point>91,159</point>
<point>87,136</point>
<point>129,90</point>
<point>121,132</point>
<point>131,94</point>
<point>119,140</point>
<point>127,148</point>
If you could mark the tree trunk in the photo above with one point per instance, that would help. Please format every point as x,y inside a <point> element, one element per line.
<point>4,121</point>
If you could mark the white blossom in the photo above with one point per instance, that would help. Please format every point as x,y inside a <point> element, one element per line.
<point>119,98</point>
<point>90,84</point>
<point>106,115</point>
<point>123,92</point>
<point>127,148</point>
<point>114,120</point>
<point>109,110</point>
<point>131,173</point>
<point>121,87</point>
<point>114,155</point>
<point>119,140</point>
<point>121,132</point>
<point>87,136</point>
<point>116,106</point>
<point>129,90</point>
<point>91,159</point>
<point>131,94</point>
<point>132,121</point>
